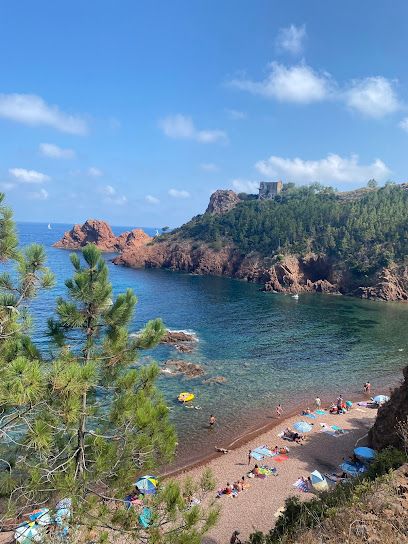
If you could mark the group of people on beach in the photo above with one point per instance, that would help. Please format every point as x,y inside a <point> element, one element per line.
<point>237,486</point>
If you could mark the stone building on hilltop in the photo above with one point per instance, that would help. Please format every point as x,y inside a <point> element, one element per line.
<point>269,189</point>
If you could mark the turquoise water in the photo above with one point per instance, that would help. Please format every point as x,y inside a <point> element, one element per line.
<point>270,348</point>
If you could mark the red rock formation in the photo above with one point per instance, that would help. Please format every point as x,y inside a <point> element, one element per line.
<point>390,285</point>
<point>384,432</point>
<point>99,233</point>
<point>290,274</point>
<point>222,201</point>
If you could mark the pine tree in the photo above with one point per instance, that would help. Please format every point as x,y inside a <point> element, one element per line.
<point>90,420</point>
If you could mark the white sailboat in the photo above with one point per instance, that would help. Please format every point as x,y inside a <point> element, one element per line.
<point>295,296</point>
<point>49,226</point>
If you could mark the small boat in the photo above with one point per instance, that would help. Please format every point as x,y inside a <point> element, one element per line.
<point>49,226</point>
<point>295,296</point>
<point>185,397</point>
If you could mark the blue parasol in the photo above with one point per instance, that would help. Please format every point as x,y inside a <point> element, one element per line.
<point>365,454</point>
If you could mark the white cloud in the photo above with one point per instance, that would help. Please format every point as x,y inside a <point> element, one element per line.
<point>152,199</point>
<point>179,193</point>
<point>299,83</point>
<point>245,186</point>
<point>372,96</point>
<point>332,168</point>
<point>404,124</point>
<point>236,115</point>
<point>32,110</point>
<point>55,152</point>
<point>42,194</point>
<point>28,176</point>
<point>94,172</point>
<point>181,127</point>
<point>111,195</point>
<point>209,167</point>
<point>291,39</point>
<point>109,190</point>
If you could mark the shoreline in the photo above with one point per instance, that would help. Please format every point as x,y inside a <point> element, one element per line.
<point>250,435</point>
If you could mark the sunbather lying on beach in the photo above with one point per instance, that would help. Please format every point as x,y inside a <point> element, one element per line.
<point>306,412</point>
<point>292,435</point>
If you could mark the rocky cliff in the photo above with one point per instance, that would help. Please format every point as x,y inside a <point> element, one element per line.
<point>99,233</point>
<point>286,274</point>
<point>384,432</point>
<point>222,201</point>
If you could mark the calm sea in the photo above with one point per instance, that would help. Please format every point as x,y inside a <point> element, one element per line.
<point>270,348</point>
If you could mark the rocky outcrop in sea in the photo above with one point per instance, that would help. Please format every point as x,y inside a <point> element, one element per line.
<point>99,233</point>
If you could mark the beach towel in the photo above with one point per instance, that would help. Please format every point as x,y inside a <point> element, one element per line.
<point>256,455</point>
<point>280,458</point>
<point>310,416</point>
<point>320,412</point>
<point>268,471</point>
<point>265,451</point>
<point>145,517</point>
<point>301,485</point>
<point>339,430</point>
<point>261,452</point>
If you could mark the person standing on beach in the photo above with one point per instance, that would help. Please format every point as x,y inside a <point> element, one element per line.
<point>212,421</point>
<point>249,457</point>
<point>318,402</point>
<point>279,410</point>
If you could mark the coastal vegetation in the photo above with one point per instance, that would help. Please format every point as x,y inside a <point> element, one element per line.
<point>341,512</point>
<point>366,231</point>
<point>81,420</point>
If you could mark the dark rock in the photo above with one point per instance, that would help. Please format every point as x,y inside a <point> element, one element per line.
<point>176,367</point>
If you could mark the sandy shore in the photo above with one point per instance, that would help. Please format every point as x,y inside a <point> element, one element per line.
<point>256,507</point>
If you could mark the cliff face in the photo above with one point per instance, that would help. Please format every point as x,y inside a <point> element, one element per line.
<point>290,274</point>
<point>99,233</point>
<point>383,432</point>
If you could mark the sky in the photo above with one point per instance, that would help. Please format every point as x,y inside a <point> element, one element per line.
<point>136,111</point>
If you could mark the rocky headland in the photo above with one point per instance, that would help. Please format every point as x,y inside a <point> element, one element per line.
<point>99,233</point>
<point>284,270</point>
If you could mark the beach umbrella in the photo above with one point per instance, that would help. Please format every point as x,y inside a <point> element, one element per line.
<point>380,399</point>
<point>319,482</point>
<point>147,485</point>
<point>349,404</point>
<point>302,427</point>
<point>365,454</point>
<point>40,516</point>
<point>27,533</point>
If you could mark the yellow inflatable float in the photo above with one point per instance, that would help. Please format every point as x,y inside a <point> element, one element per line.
<point>185,397</point>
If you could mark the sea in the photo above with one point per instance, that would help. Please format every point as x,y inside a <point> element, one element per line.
<point>270,348</point>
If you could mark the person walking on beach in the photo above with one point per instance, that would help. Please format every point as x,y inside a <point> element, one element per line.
<point>249,457</point>
<point>279,410</point>
<point>318,402</point>
<point>212,421</point>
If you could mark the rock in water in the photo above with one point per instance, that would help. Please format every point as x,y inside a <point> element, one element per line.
<point>176,367</point>
<point>99,233</point>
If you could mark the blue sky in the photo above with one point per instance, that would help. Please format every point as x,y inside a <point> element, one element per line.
<point>134,112</point>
